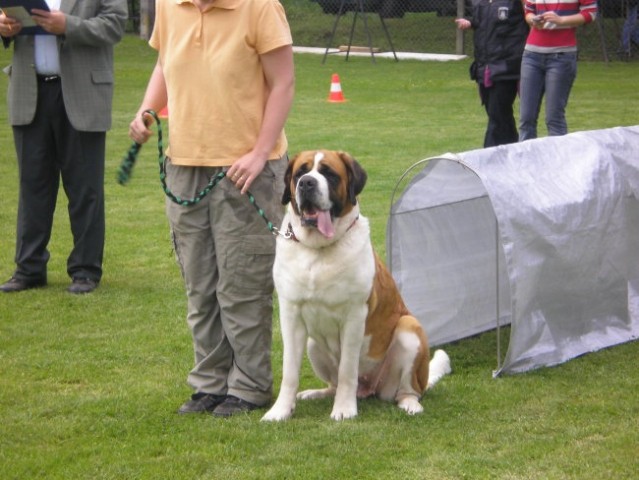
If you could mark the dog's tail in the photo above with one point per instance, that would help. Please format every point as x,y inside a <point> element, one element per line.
<point>438,367</point>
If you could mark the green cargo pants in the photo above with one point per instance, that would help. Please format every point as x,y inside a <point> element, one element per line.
<point>226,252</point>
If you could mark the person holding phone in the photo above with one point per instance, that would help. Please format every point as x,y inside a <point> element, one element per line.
<point>549,64</point>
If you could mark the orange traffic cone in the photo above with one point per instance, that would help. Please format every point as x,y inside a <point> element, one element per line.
<point>164,113</point>
<point>336,94</point>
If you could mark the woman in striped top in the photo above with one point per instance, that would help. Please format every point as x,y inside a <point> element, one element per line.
<point>549,64</point>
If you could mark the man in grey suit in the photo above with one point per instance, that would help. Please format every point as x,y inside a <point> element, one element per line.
<point>60,95</point>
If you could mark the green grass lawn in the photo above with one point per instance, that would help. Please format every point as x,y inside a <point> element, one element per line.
<point>89,385</point>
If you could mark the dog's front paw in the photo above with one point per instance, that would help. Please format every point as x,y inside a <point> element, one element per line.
<point>339,415</point>
<point>344,410</point>
<point>410,405</point>
<point>277,414</point>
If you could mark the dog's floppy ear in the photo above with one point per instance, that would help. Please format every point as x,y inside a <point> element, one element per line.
<point>286,196</point>
<point>356,176</point>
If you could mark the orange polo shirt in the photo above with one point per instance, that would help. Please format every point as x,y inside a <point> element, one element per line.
<point>214,78</point>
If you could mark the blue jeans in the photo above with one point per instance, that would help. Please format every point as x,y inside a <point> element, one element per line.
<point>551,74</point>
<point>630,32</point>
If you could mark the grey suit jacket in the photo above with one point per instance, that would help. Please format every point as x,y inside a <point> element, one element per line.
<point>86,64</point>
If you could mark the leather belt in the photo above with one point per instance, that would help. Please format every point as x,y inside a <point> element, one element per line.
<point>48,78</point>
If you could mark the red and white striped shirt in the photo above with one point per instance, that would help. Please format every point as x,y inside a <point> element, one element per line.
<point>560,39</point>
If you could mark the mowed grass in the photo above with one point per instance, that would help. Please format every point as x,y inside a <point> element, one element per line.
<point>89,385</point>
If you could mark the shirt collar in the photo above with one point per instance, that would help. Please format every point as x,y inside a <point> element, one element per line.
<point>225,4</point>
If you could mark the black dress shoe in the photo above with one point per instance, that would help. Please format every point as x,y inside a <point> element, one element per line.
<point>201,402</point>
<point>82,285</point>
<point>233,405</point>
<point>19,284</point>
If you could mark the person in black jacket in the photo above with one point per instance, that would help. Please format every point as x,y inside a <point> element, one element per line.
<point>500,32</point>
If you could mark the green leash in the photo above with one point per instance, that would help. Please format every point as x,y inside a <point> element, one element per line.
<point>128,162</point>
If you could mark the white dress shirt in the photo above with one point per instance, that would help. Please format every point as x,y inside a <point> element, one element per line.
<point>47,59</point>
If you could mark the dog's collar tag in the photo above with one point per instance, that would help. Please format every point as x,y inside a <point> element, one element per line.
<point>290,234</point>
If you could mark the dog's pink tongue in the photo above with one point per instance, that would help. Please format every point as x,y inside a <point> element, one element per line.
<point>324,223</point>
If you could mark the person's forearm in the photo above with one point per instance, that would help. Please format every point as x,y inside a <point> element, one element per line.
<point>276,112</point>
<point>155,97</point>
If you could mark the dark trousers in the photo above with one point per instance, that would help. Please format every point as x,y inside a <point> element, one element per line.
<point>49,149</point>
<point>498,101</point>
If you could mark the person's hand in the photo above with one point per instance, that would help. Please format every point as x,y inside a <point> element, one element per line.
<point>9,26</point>
<point>138,128</point>
<point>536,21</point>
<point>54,22</point>
<point>462,23</point>
<point>551,17</point>
<point>246,169</point>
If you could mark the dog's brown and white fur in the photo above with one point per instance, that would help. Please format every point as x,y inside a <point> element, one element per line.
<point>338,298</point>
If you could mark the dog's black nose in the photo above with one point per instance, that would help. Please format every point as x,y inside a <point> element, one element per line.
<point>307,184</point>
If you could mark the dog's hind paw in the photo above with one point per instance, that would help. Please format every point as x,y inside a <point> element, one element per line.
<point>316,394</point>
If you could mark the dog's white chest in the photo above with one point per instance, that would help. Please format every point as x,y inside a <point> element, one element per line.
<point>329,277</point>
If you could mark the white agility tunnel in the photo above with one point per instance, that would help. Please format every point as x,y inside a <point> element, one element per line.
<point>542,235</point>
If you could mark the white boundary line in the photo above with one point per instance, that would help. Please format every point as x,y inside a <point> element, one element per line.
<point>439,57</point>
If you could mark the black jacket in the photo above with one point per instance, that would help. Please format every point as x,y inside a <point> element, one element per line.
<point>500,35</point>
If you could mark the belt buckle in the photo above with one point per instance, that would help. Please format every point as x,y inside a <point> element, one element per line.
<point>50,78</point>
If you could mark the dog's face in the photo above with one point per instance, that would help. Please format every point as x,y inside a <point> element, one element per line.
<point>322,187</point>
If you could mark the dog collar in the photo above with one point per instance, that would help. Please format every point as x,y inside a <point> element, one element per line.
<point>290,234</point>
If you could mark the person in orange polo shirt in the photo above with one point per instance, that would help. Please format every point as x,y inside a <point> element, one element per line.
<point>225,70</point>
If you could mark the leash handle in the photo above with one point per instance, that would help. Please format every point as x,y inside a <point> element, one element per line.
<point>128,162</point>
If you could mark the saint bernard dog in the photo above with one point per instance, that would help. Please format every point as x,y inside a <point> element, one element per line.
<point>338,299</point>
